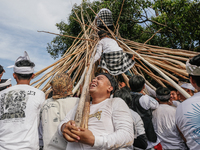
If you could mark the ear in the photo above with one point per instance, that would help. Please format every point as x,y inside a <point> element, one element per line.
<point>14,76</point>
<point>143,87</point>
<point>33,75</point>
<point>193,82</point>
<point>110,88</point>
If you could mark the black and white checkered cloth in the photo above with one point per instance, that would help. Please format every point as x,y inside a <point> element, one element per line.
<point>116,62</point>
<point>106,17</point>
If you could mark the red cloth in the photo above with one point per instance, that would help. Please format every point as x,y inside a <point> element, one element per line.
<point>158,147</point>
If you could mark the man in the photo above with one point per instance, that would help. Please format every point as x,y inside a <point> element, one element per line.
<point>19,109</point>
<point>55,109</point>
<point>143,105</point>
<point>110,125</point>
<point>188,88</point>
<point>164,122</point>
<point>140,139</point>
<point>188,112</point>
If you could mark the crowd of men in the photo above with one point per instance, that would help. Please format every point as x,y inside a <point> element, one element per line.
<point>122,117</point>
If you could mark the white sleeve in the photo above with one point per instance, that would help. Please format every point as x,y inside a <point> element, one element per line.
<point>98,52</point>
<point>176,103</point>
<point>70,116</point>
<point>147,102</point>
<point>123,135</point>
<point>139,125</point>
<point>150,90</point>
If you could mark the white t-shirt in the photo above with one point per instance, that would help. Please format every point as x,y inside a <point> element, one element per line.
<point>19,110</point>
<point>188,120</point>
<point>138,124</point>
<point>111,123</point>
<point>165,127</point>
<point>52,113</point>
<point>148,102</point>
<point>106,45</point>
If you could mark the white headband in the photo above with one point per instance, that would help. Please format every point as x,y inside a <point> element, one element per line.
<point>8,82</point>
<point>163,97</point>
<point>186,86</point>
<point>192,69</point>
<point>22,70</point>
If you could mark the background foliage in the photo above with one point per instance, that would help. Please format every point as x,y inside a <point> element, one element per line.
<point>179,21</point>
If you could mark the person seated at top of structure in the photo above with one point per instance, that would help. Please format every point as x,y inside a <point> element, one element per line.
<point>55,109</point>
<point>104,15</point>
<point>140,139</point>
<point>143,105</point>
<point>113,59</point>
<point>164,122</point>
<point>187,113</point>
<point>1,72</point>
<point>110,124</point>
<point>5,83</point>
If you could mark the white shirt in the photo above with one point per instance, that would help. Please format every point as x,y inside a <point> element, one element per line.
<point>165,127</point>
<point>52,113</point>
<point>138,124</point>
<point>188,120</point>
<point>148,102</point>
<point>106,45</point>
<point>19,110</point>
<point>110,122</point>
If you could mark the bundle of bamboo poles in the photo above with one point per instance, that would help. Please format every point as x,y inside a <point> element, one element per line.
<point>164,65</point>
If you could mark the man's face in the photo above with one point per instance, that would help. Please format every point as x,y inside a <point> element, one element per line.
<point>100,84</point>
<point>181,97</point>
<point>173,95</point>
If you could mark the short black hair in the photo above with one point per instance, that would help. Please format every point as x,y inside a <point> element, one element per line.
<point>136,83</point>
<point>1,69</point>
<point>24,63</point>
<point>195,61</point>
<point>163,91</point>
<point>4,87</point>
<point>124,94</point>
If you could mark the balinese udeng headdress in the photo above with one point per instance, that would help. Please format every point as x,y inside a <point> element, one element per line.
<point>186,85</point>
<point>8,82</point>
<point>23,69</point>
<point>62,86</point>
<point>192,69</point>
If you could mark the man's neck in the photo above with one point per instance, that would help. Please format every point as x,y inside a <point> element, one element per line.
<point>23,82</point>
<point>97,99</point>
<point>163,102</point>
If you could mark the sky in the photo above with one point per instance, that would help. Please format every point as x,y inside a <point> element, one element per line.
<point>19,22</point>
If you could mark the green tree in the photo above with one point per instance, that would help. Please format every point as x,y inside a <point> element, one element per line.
<point>179,20</point>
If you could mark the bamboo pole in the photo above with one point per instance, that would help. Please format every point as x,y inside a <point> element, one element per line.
<point>80,108</point>
<point>183,92</point>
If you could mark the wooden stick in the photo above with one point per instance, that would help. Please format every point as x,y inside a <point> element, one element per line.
<point>79,111</point>
<point>152,36</point>
<point>66,35</point>
<point>183,92</point>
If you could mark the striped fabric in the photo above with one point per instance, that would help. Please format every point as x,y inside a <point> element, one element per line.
<point>106,17</point>
<point>116,62</point>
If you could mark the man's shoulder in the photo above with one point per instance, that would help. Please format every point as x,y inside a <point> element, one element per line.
<point>23,87</point>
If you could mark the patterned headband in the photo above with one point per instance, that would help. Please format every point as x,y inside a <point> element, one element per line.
<point>192,69</point>
<point>163,97</point>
